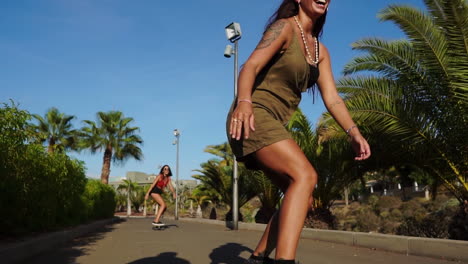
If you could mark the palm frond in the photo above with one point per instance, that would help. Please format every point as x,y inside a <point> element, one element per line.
<point>428,39</point>
<point>392,58</point>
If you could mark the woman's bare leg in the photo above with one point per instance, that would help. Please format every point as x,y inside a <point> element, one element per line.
<point>162,205</point>
<point>267,243</point>
<point>269,239</point>
<point>286,158</point>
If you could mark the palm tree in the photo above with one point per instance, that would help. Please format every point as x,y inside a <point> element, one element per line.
<point>121,201</point>
<point>216,174</point>
<point>146,203</point>
<point>269,195</point>
<point>199,197</point>
<point>56,129</point>
<point>113,134</point>
<point>138,198</point>
<point>129,187</point>
<point>414,106</point>
<point>222,151</point>
<point>211,195</point>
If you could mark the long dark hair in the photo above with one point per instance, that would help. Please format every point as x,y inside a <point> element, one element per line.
<point>162,170</point>
<point>289,8</point>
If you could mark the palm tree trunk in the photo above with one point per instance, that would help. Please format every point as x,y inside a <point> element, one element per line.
<point>346,195</point>
<point>199,212</point>
<point>129,207</point>
<point>106,165</point>
<point>191,208</point>
<point>50,148</point>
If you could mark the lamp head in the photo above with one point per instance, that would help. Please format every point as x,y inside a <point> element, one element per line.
<point>176,132</point>
<point>233,32</point>
<point>228,51</point>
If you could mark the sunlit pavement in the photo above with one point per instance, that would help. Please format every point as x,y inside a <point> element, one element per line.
<point>184,242</point>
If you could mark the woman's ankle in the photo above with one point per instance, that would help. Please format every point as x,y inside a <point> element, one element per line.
<point>256,257</point>
<point>258,254</point>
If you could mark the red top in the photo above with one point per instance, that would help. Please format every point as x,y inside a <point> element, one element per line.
<point>162,183</point>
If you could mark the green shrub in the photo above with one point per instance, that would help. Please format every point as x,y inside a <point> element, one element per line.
<point>12,146</point>
<point>386,203</point>
<point>413,209</point>
<point>436,204</point>
<point>384,214</point>
<point>349,225</point>
<point>388,226</point>
<point>372,200</point>
<point>100,200</point>
<point>320,218</point>
<point>458,227</point>
<point>442,218</point>
<point>53,186</point>
<point>40,191</point>
<point>396,215</point>
<point>367,221</point>
<point>433,225</point>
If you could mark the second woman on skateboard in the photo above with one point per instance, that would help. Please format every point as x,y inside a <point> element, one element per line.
<point>160,182</point>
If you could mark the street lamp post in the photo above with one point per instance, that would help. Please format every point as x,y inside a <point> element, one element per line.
<point>176,142</point>
<point>233,34</point>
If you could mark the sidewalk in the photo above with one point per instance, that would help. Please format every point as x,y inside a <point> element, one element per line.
<point>189,242</point>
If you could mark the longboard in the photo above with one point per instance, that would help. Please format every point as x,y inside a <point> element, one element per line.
<point>160,227</point>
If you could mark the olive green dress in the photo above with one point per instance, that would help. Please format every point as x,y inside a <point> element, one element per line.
<point>276,95</point>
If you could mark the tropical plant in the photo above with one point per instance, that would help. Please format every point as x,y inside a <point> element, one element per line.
<point>413,105</point>
<point>138,198</point>
<point>199,197</point>
<point>216,174</point>
<point>121,201</point>
<point>222,151</point>
<point>331,157</point>
<point>146,203</point>
<point>36,183</point>
<point>56,129</point>
<point>130,187</point>
<point>269,195</point>
<point>100,199</point>
<point>112,134</point>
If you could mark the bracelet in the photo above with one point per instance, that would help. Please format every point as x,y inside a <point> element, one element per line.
<point>244,100</point>
<point>349,130</point>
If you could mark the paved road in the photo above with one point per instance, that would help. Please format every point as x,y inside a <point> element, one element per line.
<point>133,241</point>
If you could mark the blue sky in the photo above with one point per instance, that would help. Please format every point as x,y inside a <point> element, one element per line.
<point>159,62</point>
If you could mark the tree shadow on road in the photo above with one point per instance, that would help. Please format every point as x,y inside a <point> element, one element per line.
<point>69,251</point>
<point>228,253</point>
<point>166,257</point>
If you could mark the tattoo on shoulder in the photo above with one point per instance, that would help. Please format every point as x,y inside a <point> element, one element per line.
<point>271,34</point>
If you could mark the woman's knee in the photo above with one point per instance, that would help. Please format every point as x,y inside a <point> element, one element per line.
<point>307,178</point>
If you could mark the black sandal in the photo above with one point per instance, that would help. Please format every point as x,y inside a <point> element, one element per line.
<point>258,260</point>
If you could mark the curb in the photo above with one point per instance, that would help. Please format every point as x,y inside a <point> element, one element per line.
<point>21,251</point>
<point>415,246</point>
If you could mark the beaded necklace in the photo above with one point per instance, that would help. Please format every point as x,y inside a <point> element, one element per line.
<point>316,61</point>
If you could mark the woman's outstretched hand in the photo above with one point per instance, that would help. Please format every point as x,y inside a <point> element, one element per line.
<point>146,197</point>
<point>242,120</point>
<point>360,147</point>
